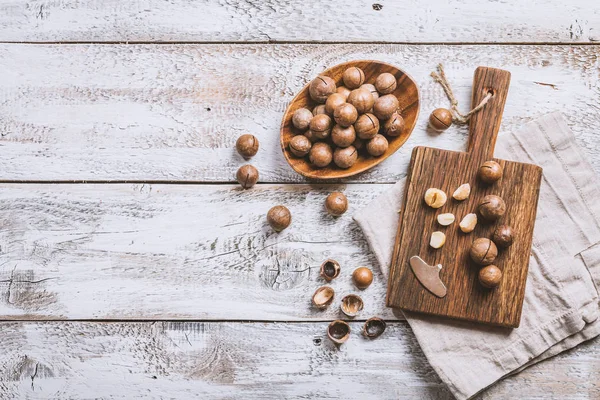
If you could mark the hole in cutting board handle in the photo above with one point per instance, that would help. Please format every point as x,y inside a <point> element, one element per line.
<point>490,91</point>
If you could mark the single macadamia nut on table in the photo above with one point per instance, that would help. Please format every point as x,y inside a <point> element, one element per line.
<point>366,126</point>
<point>483,251</point>
<point>361,99</point>
<point>247,145</point>
<point>462,192</point>
<point>490,172</point>
<point>362,277</point>
<point>320,88</point>
<point>385,83</point>
<point>377,146</point>
<point>320,155</point>
<point>394,125</point>
<point>279,217</point>
<point>247,176</point>
<point>333,101</point>
<point>437,239</point>
<point>435,198</point>
<point>300,145</point>
<point>320,126</point>
<point>492,207</point>
<point>336,204</point>
<point>343,137</point>
<point>301,118</point>
<point>445,219</point>
<point>345,157</point>
<point>345,114</point>
<point>353,77</point>
<point>468,223</point>
<point>440,119</point>
<point>344,91</point>
<point>490,276</point>
<point>503,236</point>
<point>320,109</point>
<point>385,106</point>
<point>371,88</point>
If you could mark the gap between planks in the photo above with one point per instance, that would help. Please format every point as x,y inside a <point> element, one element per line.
<point>593,42</point>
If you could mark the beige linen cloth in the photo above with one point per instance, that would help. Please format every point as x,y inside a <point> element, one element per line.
<point>561,307</point>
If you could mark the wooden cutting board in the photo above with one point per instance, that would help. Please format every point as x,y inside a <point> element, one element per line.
<point>435,168</point>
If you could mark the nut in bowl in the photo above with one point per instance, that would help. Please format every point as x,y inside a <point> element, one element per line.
<point>406,92</point>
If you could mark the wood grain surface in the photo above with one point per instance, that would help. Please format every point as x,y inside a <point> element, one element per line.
<point>122,251</point>
<point>406,92</point>
<point>519,187</point>
<point>486,21</point>
<point>182,360</point>
<point>174,112</point>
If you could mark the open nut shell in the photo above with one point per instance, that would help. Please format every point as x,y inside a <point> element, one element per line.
<point>323,297</point>
<point>352,304</point>
<point>338,331</point>
<point>330,269</point>
<point>374,327</point>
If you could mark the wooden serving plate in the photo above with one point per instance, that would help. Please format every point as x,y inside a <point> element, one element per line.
<point>407,93</point>
<point>519,186</point>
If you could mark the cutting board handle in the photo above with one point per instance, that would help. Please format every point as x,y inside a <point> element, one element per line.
<point>485,124</point>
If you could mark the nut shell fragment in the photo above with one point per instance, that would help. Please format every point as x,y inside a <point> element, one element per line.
<point>435,198</point>
<point>352,304</point>
<point>338,331</point>
<point>468,223</point>
<point>330,269</point>
<point>323,297</point>
<point>462,192</point>
<point>374,327</point>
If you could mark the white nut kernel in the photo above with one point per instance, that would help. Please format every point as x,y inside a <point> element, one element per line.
<point>445,219</point>
<point>437,239</point>
<point>468,223</point>
<point>462,192</point>
<point>435,198</point>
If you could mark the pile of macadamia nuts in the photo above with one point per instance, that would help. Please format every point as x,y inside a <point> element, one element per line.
<point>348,119</point>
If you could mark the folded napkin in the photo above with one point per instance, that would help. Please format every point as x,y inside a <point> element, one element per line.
<point>561,307</point>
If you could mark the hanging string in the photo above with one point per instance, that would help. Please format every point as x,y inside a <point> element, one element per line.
<point>457,116</point>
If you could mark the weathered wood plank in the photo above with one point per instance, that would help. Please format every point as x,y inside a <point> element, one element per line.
<point>173,112</point>
<point>310,20</point>
<point>181,360</point>
<point>122,251</point>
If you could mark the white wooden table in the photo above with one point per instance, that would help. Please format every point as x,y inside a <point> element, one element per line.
<point>132,266</point>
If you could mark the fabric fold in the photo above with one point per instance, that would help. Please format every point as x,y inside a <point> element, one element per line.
<point>561,306</point>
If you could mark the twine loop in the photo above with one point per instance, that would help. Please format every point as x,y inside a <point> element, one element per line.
<point>457,116</point>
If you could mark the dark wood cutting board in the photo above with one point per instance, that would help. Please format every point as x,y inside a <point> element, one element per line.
<point>447,170</point>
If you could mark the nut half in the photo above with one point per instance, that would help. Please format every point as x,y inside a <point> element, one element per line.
<point>374,327</point>
<point>437,239</point>
<point>352,304</point>
<point>468,223</point>
<point>338,331</point>
<point>323,297</point>
<point>462,192</point>
<point>330,269</point>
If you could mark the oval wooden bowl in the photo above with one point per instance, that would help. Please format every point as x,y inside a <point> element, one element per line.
<point>408,97</point>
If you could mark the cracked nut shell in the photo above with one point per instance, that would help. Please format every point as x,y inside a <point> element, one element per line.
<point>503,236</point>
<point>300,145</point>
<point>338,331</point>
<point>362,277</point>
<point>483,251</point>
<point>323,297</point>
<point>345,114</point>
<point>490,172</point>
<point>247,176</point>
<point>385,106</point>
<point>490,276</point>
<point>353,77</point>
<point>352,304</point>
<point>440,119</point>
<point>345,157</point>
<point>247,145</point>
<point>336,204</point>
<point>330,269</point>
<point>301,118</point>
<point>366,126</point>
<point>279,217</point>
<point>320,126</point>
<point>320,88</point>
<point>394,125</point>
<point>374,327</point>
<point>492,207</point>
<point>385,83</point>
